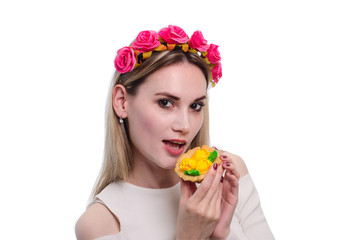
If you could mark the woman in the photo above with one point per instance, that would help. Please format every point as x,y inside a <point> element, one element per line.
<point>158,109</point>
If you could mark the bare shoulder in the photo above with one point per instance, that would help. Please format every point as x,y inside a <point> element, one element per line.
<point>96,221</point>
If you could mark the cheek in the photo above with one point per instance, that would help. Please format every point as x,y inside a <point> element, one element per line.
<point>198,121</point>
<point>140,124</point>
<point>146,124</point>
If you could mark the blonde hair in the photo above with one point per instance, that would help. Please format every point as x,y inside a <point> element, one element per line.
<point>117,162</point>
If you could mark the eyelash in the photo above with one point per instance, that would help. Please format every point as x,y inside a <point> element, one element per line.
<point>166,101</point>
<point>197,106</point>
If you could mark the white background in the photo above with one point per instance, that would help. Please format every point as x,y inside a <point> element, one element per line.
<point>289,103</point>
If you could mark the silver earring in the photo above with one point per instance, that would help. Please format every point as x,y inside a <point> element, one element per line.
<point>120,120</point>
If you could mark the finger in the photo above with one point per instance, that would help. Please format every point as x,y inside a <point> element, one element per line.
<point>204,187</point>
<point>231,189</point>
<point>234,182</point>
<point>220,151</point>
<point>214,195</point>
<point>229,165</point>
<point>186,191</point>
<point>193,187</point>
<point>214,206</point>
<point>219,194</point>
<point>215,186</point>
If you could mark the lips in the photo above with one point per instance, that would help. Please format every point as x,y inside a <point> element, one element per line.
<point>174,146</point>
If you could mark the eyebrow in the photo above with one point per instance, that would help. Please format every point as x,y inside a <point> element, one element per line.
<point>166,94</point>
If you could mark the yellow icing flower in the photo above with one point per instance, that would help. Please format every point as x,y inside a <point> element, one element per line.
<point>199,161</point>
<point>187,164</point>
<point>201,154</point>
<point>203,165</point>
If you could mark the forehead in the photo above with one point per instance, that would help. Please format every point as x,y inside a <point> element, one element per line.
<point>181,79</point>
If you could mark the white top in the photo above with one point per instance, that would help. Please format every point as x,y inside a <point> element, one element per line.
<point>146,213</point>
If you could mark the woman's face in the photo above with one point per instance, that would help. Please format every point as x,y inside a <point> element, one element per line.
<point>166,114</point>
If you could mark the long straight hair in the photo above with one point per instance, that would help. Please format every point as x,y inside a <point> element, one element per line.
<point>118,154</point>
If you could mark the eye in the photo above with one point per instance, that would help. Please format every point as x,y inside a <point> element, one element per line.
<point>165,103</point>
<point>197,106</point>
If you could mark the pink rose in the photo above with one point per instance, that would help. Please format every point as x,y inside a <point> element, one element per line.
<point>216,72</point>
<point>125,60</point>
<point>213,54</point>
<point>173,35</point>
<point>146,41</point>
<point>198,42</point>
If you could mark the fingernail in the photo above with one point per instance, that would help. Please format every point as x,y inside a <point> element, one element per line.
<point>223,156</point>
<point>214,166</point>
<point>222,179</point>
<point>215,148</point>
<point>225,163</point>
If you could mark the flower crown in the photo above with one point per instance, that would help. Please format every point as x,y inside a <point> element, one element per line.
<point>169,38</point>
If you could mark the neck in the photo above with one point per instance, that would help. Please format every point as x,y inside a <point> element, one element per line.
<point>149,175</point>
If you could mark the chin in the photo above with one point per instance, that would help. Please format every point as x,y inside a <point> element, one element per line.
<point>169,164</point>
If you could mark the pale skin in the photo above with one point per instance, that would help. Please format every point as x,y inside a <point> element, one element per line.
<point>174,109</point>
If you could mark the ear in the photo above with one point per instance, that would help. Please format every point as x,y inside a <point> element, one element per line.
<point>119,97</point>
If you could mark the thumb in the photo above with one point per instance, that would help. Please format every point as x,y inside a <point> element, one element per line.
<point>187,190</point>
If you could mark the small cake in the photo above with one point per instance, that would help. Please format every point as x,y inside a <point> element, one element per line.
<point>195,163</point>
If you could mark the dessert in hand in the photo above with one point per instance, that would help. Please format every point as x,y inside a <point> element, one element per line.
<point>195,163</point>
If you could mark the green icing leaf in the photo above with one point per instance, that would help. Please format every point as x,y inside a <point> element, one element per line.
<point>212,156</point>
<point>192,172</point>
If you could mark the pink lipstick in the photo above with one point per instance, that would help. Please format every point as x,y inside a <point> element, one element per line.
<point>174,147</point>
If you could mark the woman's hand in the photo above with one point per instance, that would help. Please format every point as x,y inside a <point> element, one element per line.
<point>229,201</point>
<point>200,208</point>
<point>206,212</point>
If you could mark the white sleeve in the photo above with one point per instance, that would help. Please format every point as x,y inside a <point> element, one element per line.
<point>249,213</point>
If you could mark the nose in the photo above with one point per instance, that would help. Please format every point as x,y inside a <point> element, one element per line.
<point>181,122</point>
